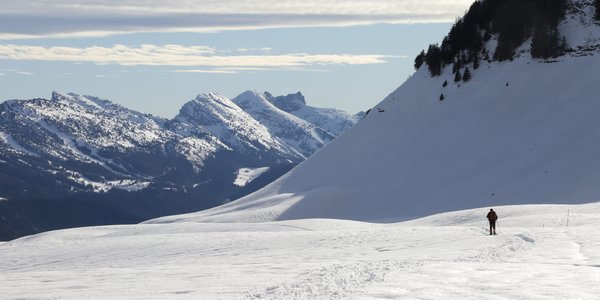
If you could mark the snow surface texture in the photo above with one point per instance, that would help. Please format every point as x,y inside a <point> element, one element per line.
<point>540,252</point>
<point>519,132</point>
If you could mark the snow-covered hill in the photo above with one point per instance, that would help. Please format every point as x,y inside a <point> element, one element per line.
<point>540,252</point>
<point>520,131</point>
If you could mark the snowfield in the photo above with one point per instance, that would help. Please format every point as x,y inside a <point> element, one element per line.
<point>450,256</point>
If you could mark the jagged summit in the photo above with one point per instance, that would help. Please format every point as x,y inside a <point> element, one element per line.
<point>302,136</point>
<point>289,103</point>
<point>332,120</point>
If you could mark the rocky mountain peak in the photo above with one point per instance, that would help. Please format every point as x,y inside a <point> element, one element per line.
<point>288,103</point>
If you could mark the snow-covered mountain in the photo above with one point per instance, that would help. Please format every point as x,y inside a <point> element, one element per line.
<point>132,166</point>
<point>303,137</point>
<point>332,120</point>
<point>519,130</point>
<point>222,118</point>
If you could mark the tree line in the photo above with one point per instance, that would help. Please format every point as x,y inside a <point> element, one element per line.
<point>512,22</point>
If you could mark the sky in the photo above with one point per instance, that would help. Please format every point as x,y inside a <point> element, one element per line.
<point>155,55</point>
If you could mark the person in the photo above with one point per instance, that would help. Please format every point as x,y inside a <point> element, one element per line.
<point>492,217</point>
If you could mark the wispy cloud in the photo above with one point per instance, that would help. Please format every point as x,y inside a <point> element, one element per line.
<point>236,70</point>
<point>181,56</point>
<point>35,18</point>
<point>215,71</point>
<point>263,49</point>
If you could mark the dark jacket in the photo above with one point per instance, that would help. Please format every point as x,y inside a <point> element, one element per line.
<point>492,216</point>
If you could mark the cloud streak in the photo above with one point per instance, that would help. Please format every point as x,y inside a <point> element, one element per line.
<point>181,56</point>
<point>36,18</point>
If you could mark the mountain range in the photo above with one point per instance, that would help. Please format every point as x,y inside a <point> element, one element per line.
<point>76,160</point>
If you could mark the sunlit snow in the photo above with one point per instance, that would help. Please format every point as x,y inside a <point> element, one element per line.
<point>540,252</point>
<point>247,175</point>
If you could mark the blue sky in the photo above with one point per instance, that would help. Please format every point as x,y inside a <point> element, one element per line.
<point>153,55</point>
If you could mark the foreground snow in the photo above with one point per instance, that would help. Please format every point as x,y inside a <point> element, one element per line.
<point>535,256</point>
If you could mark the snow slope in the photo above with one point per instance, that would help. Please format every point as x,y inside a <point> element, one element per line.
<point>449,256</point>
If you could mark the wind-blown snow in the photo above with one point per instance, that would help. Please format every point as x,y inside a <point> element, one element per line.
<point>450,256</point>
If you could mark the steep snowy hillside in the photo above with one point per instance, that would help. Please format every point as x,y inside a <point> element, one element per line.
<point>519,131</point>
<point>332,120</point>
<point>303,137</point>
<point>540,252</point>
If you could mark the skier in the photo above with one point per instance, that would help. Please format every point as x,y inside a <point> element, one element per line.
<point>492,217</point>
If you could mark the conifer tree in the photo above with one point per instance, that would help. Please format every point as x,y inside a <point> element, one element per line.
<point>467,75</point>
<point>597,5</point>
<point>442,97</point>
<point>456,66</point>
<point>458,76</point>
<point>433,58</point>
<point>419,59</point>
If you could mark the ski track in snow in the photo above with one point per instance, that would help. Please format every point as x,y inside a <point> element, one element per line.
<point>315,259</point>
